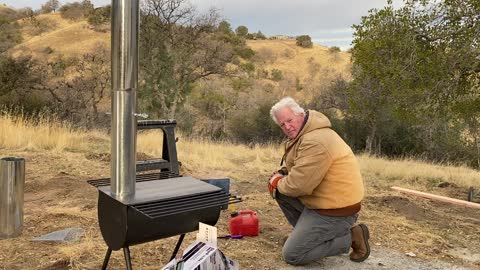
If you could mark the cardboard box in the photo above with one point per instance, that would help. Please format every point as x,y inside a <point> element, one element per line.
<point>203,256</point>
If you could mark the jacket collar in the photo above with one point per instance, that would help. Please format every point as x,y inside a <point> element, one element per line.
<point>313,120</point>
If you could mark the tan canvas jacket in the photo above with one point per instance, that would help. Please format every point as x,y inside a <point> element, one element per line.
<point>322,170</point>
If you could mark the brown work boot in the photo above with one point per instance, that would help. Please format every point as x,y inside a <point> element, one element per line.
<point>360,246</point>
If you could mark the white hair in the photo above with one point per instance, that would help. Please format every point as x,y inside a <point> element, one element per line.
<point>283,103</point>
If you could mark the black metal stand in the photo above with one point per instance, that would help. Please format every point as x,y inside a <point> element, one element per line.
<point>126,253</point>
<point>169,161</point>
<point>177,247</point>
<point>107,258</point>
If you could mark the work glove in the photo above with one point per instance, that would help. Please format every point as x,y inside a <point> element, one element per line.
<point>272,183</point>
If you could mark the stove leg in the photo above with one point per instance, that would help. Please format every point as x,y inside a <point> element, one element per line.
<point>126,252</point>
<point>177,247</point>
<point>107,258</point>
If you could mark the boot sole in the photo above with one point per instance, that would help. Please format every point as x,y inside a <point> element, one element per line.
<point>366,235</point>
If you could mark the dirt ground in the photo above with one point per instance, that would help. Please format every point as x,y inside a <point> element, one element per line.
<point>57,196</point>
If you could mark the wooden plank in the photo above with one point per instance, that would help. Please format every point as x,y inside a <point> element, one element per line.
<point>437,197</point>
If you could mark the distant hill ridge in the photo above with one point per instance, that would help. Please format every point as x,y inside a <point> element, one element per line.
<point>74,38</point>
<point>6,11</point>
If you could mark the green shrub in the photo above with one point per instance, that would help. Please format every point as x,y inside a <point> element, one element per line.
<point>61,63</point>
<point>10,34</point>
<point>50,6</point>
<point>260,35</point>
<point>99,16</point>
<point>241,31</point>
<point>240,84</point>
<point>304,41</point>
<point>254,125</point>
<point>277,75</point>
<point>334,49</point>
<point>248,67</point>
<point>298,84</point>
<point>246,53</point>
<point>18,76</point>
<point>225,28</point>
<point>72,11</point>
<point>47,50</point>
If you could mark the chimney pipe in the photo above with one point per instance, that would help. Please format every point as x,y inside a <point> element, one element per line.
<point>125,28</point>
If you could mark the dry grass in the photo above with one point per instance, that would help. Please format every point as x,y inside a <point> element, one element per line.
<point>150,142</point>
<point>415,173</point>
<point>20,132</point>
<point>47,23</point>
<point>207,158</point>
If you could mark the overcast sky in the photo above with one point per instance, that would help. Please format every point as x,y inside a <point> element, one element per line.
<point>327,22</point>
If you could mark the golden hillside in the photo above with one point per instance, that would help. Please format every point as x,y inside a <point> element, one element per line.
<point>73,38</point>
<point>302,63</point>
<point>65,37</point>
<point>307,72</point>
<point>5,10</point>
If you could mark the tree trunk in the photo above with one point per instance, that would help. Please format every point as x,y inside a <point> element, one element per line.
<point>477,145</point>
<point>378,147</point>
<point>370,139</point>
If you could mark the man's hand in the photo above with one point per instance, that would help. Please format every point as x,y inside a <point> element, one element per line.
<point>272,183</point>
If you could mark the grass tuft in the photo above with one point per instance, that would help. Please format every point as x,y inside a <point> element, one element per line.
<point>44,132</point>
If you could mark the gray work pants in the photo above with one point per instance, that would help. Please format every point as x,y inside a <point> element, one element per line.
<point>314,236</point>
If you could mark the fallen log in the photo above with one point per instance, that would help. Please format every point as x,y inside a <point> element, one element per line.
<point>437,197</point>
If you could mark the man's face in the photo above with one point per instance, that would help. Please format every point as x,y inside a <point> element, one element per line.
<point>289,122</point>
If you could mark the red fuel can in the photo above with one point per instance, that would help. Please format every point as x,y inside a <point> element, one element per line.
<point>244,223</point>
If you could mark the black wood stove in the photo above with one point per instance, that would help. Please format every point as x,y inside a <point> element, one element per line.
<point>165,204</point>
<point>161,208</point>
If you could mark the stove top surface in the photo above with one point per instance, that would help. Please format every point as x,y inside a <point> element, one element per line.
<point>164,189</point>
